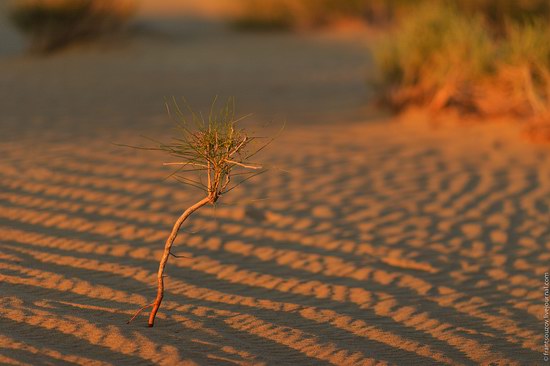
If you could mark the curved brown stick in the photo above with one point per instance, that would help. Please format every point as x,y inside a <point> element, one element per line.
<point>166,255</point>
<point>138,312</point>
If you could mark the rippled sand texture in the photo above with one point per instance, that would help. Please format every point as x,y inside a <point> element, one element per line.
<point>382,244</point>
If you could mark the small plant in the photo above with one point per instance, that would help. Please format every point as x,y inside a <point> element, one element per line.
<point>54,24</point>
<point>209,155</point>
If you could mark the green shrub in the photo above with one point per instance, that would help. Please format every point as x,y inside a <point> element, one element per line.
<point>526,50</point>
<point>435,56</point>
<point>499,12</point>
<point>54,24</point>
<point>440,57</point>
<point>299,14</point>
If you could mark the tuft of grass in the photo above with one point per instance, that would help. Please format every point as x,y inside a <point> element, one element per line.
<point>526,64</point>
<point>54,24</point>
<point>435,57</point>
<point>212,154</point>
<point>443,58</point>
<point>305,14</point>
<point>498,13</point>
<point>524,74</point>
<point>210,151</point>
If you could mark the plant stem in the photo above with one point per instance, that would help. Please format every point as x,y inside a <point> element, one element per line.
<point>166,255</point>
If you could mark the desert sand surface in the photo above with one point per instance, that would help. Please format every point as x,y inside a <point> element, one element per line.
<point>372,241</point>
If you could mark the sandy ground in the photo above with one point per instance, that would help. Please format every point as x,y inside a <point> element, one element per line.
<point>369,242</point>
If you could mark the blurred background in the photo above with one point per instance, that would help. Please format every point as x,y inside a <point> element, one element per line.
<point>95,64</point>
<point>96,70</point>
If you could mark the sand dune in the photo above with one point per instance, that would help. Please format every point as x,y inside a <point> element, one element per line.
<point>370,242</point>
<point>385,250</point>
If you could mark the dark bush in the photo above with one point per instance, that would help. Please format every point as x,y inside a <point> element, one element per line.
<point>54,24</point>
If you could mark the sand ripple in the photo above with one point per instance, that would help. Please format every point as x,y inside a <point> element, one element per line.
<point>372,249</point>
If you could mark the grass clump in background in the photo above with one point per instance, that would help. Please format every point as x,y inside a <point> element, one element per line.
<point>526,64</point>
<point>54,24</point>
<point>499,13</point>
<point>307,14</point>
<point>434,57</point>
<point>525,73</point>
<point>444,57</point>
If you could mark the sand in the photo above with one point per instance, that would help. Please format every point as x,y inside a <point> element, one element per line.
<point>371,241</point>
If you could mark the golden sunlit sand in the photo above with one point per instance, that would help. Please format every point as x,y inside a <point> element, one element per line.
<point>370,242</point>
<point>388,249</point>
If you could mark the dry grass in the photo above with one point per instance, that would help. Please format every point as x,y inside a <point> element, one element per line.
<point>498,13</point>
<point>211,153</point>
<point>434,58</point>
<point>442,58</point>
<point>307,14</point>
